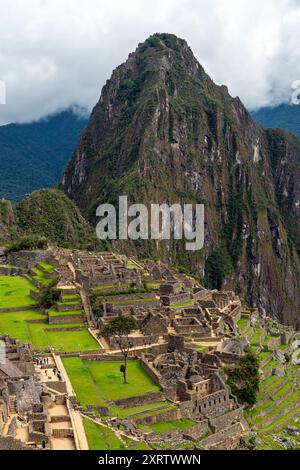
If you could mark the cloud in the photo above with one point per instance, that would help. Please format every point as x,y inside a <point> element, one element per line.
<point>56,53</point>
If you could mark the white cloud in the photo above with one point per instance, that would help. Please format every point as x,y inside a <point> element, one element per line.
<point>55,53</point>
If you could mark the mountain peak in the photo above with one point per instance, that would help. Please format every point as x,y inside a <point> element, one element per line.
<point>163,131</point>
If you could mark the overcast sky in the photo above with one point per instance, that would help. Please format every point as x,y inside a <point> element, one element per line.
<point>56,53</point>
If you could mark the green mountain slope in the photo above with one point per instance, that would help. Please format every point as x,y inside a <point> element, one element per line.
<point>32,156</point>
<point>162,131</point>
<point>49,213</point>
<point>283,116</point>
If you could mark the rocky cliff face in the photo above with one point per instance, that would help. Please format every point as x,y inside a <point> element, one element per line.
<point>7,221</point>
<point>162,131</point>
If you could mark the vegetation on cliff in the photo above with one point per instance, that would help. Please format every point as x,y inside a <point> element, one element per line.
<point>45,217</point>
<point>243,378</point>
<point>164,132</point>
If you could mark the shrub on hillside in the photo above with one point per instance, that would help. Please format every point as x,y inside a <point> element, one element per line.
<point>243,378</point>
<point>27,242</point>
<point>48,296</point>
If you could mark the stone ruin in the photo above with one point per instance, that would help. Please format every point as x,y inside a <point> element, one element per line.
<point>27,419</point>
<point>172,319</point>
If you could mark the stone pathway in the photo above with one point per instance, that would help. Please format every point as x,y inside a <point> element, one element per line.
<point>76,420</point>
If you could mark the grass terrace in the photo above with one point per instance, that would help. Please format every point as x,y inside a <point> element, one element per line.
<point>104,380</point>
<point>67,341</point>
<point>14,292</point>
<point>70,298</point>
<point>186,303</point>
<point>131,264</point>
<point>56,313</point>
<point>140,409</point>
<point>242,322</point>
<point>164,427</point>
<point>15,324</point>
<point>108,377</point>
<point>100,437</point>
<point>47,266</point>
<point>40,276</point>
<point>152,285</point>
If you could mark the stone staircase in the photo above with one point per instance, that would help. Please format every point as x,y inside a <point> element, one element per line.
<point>12,404</point>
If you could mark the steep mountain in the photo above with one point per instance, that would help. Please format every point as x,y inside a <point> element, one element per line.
<point>32,156</point>
<point>284,116</point>
<point>162,131</point>
<point>49,213</point>
<point>7,220</point>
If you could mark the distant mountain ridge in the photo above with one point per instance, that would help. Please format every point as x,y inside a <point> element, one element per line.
<point>284,116</point>
<point>33,155</point>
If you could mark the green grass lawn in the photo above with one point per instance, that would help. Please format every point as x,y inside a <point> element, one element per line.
<point>152,285</point>
<point>56,313</point>
<point>71,340</point>
<point>109,379</point>
<point>47,266</point>
<point>256,335</point>
<point>14,292</point>
<point>263,355</point>
<point>200,347</point>
<point>14,324</point>
<point>101,438</point>
<point>40,276</point>
<point>269,403</point>
<point>186,303</point>
<point>267,384</point>
<point>267,339</point>
<point>71,297</point>
<point>87,391</point>
<point>271,365</point>
<point>142,445</point>
<point>97,381</point>
<point>242,322</point>
<point>60,340</point>
<point>131,264</point>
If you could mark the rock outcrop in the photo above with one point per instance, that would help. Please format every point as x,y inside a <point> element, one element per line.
<point>162,131</point>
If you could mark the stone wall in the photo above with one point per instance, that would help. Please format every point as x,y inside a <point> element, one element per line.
<point>195,431</point>
<point>149,397</point>
<point>62,433</point>
<point>170,415</point>
<point>226,420</point>
<point>57,386</point>
<point>61,319</point>
<point>216,402</point>
<point>223,436</point>
<point>69,308</point>
<point>10,271</point>
<point>174,299</point>
<point>150,370</point>
<point>170,288</point>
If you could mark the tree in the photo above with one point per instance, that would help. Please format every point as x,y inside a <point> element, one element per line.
<point>243,378</point>
<point>217,267</point>
<point>120,328</point>
<point>48,295</point>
